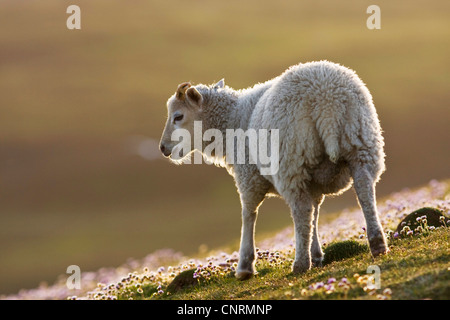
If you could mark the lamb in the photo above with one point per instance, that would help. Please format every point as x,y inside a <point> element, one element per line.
<point>330,138</point>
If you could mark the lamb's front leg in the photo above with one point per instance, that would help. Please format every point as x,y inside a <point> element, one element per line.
<point>302,213</point>
<point>246,265</point>
<point>316,250</point>
<point>252,189</point>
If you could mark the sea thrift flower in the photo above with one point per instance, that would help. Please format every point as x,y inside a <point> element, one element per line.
<point>318,285</point>
<point>344,284</point>
<point>329,288</point>
<point>387,292</point>
<point>344,280</point>
<point>331,280</point>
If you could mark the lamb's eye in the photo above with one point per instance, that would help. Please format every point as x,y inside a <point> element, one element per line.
<point>178,118</point>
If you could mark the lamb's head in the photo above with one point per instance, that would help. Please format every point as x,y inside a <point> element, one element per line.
<point>184,107</point>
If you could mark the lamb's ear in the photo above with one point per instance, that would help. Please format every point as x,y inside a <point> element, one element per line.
<point>220,84</point>
<point>194,98</point>
<point>181,90</point>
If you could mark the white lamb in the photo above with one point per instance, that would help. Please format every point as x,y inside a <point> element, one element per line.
<point>330,136</point>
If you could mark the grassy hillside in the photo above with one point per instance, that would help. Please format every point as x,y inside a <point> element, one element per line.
<point>417,266</point>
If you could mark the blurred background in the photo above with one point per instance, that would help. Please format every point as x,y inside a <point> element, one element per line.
<point>81,112</point>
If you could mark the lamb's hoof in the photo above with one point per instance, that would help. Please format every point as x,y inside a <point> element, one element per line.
<point>317,262</point>
<point>378,246</point>
<point>380,251</point>
<point>243,274</point>
<point>300,268</point>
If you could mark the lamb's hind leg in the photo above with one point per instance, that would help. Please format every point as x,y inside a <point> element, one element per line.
<point>364,186</point>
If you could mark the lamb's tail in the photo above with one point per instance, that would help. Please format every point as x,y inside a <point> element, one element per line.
<point>328,118</point>
<point>332,146</point>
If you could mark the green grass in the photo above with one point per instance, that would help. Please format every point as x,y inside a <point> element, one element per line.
<point>415,268</point>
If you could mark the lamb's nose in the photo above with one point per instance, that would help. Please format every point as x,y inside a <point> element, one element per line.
<point>164,151</point>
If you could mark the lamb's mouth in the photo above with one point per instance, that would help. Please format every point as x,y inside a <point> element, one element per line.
<point>167,154</point>
<point>175,154</point>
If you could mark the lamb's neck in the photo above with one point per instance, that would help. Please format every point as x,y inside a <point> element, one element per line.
<point>218,112</point>
<point>228,108</point>
<point>247,100</point>
<point>219,109</point>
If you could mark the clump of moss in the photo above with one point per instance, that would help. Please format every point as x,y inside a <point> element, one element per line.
<point>341,250</point>
<point>183,280</point>
<point>432,217</point>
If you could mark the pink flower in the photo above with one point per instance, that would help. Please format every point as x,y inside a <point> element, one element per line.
<point>331,280</point>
